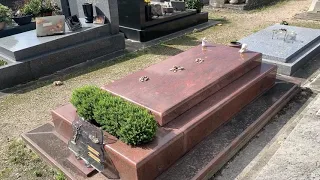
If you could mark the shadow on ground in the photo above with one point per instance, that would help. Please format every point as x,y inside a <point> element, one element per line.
<point>307,70</point>
<point>248,153</point>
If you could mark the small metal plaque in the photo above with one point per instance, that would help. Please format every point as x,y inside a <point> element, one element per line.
<point>87,144</point>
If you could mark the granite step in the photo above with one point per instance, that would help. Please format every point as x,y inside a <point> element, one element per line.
<point>168,94</point>
<point>211,154</point>
<point>179,136</point>
<point>203,160</point>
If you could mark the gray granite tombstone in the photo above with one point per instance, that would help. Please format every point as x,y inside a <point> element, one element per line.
<point>315,6</point>
<point>30,57</point>
<point>107,8</point>
<point>280,48</point>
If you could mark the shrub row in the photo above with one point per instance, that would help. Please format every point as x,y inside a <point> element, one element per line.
<point>128,122</point>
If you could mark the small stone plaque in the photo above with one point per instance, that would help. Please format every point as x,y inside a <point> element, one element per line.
<point>50,25</point>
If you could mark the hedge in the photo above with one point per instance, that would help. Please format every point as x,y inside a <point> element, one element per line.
<point>84,99</point>
<point>128,122</point>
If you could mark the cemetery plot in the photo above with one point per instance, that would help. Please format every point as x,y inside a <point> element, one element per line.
<point>205,94</point>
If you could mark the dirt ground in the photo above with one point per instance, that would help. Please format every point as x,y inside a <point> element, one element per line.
<point>30,107</point>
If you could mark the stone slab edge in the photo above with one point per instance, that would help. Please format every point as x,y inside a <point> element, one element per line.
<point>303,57</point>
<point>219,161</point>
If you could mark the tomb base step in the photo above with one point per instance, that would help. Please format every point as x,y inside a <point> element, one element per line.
<point>211,154</point>
<point>206,158</point>
<point>180,135</point>
<point>165,28</point>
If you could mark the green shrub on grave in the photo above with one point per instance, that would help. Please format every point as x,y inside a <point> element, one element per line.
<point>139,126</point>
<point>107,113</point>
<point>130,123</point>
<point>194,4</point>
<point>84,99</point>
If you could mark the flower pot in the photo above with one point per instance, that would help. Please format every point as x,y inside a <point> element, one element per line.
<point>49,13</point>
<point>23,20</point>
<point>2,25</point>
<point>235,44</point>
<point>88,12</point>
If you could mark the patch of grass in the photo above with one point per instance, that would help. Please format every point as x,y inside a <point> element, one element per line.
<point>271,5</point>
<point>59,176</point>
<point>3,62</point>
<point>5,173</point>
<point>20,155</point>
<point>306,24</point>
<point>23,163</point>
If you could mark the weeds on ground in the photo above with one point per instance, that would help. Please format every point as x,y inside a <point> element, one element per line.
<point>3,62</point>
<point>22,163</point>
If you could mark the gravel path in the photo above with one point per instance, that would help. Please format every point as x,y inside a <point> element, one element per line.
<point>28,108</point>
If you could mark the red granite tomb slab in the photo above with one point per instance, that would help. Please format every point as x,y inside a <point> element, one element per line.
<point>179,136</point>
<point>167,94</point>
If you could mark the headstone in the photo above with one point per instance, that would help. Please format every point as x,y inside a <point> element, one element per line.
<point>287,46</point>
<point>107,8</point>
<point>156,10</point>
<point>137,24</point>
<point>315,6</point>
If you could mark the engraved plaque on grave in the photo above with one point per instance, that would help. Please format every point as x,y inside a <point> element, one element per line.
<point>50,25</point>
<point>87,144</point>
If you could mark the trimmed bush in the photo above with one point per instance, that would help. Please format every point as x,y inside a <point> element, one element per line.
<point>138,132</point>
<point>128,122</point>
<point>107,114</point>
<point>84,99</point>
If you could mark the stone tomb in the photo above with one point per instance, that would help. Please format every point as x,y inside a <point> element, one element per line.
<point>312,14</point>
<point>30,57</point>
<point>288,54</point>
<point>135,26</point>
<point>315,6</point>
<point>189,105</point>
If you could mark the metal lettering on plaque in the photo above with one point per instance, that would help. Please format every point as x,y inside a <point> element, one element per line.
<point>87,144</point>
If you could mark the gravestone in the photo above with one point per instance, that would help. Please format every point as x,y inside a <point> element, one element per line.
<point>31,57</point>
<point>315,6</point>
<point>137,24</point>
<point>107,8</point>
<point>312,14</point>
<point>277,48</point>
